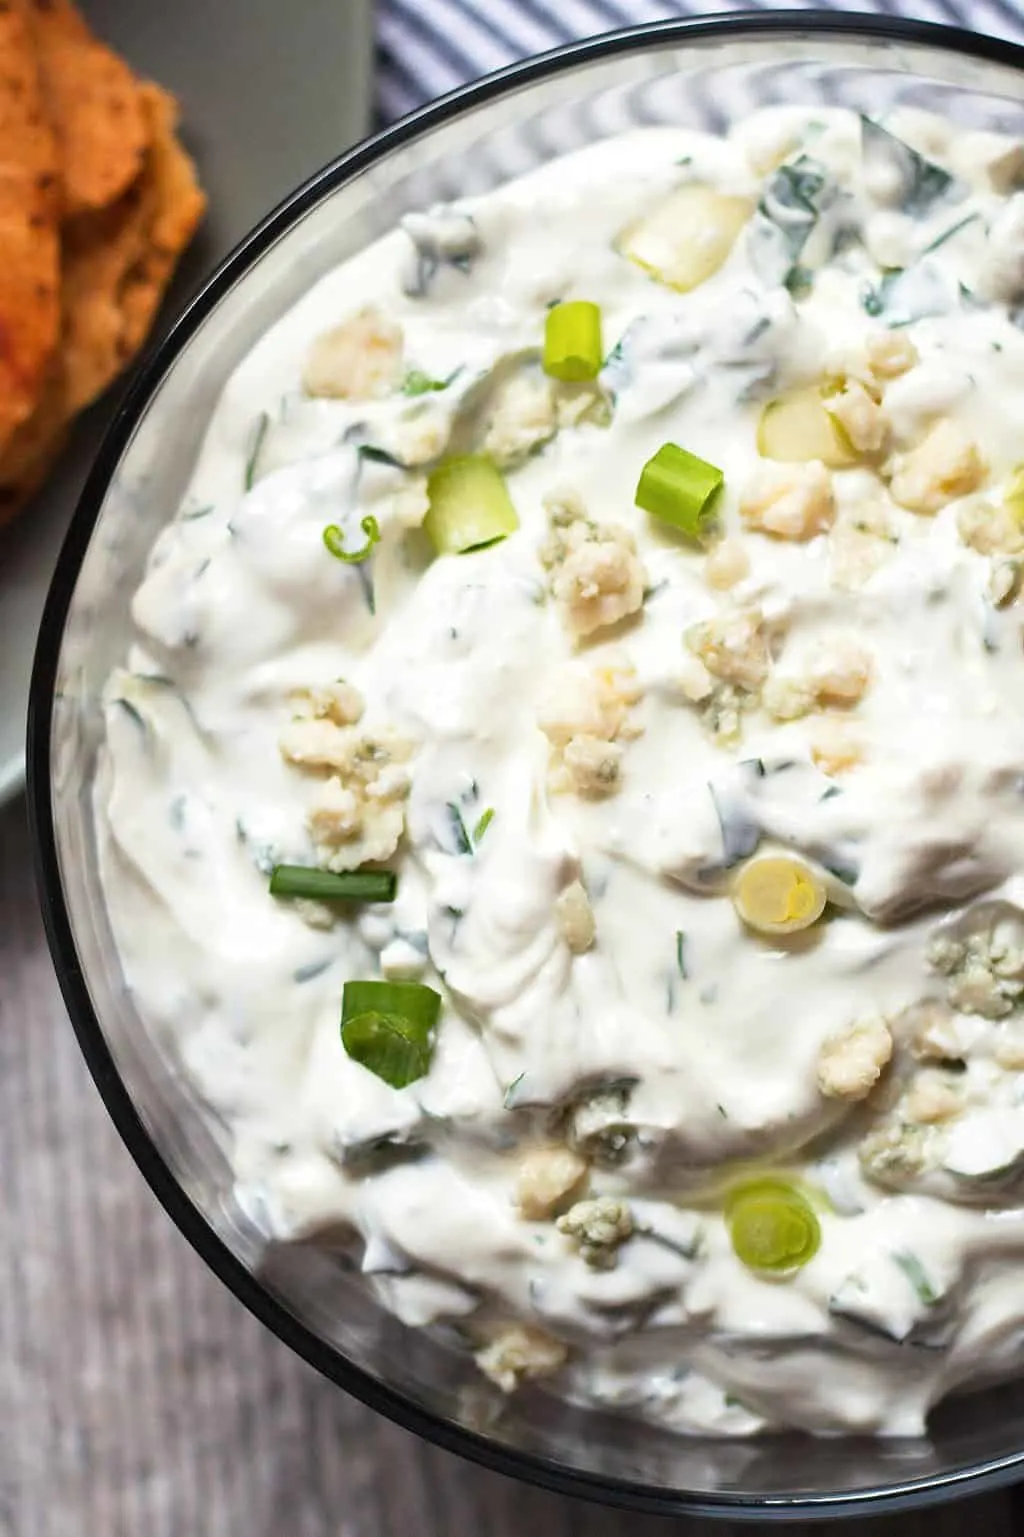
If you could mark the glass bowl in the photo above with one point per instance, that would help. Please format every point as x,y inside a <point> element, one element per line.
<point>700,73</point>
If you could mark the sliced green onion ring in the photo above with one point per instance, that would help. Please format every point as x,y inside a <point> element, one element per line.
<point>334,539</point>
<point>772,1225</point>
<point>388,1027</point>
<point>678,487</point>
<point>330,885</point>
<point>470,507</point>
<point>572,341</point>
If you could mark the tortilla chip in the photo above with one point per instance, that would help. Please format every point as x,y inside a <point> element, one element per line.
<point>96,107</point>
<point>118,262</point>
<point>29,247</point>
<point>34,448</point>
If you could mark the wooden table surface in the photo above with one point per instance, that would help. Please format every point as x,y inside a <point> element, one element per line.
<point>139,1399</point>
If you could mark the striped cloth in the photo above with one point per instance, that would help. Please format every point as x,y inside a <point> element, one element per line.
<point>427,47</point>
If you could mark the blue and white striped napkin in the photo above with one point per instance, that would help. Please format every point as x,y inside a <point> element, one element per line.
<point>427,47</point>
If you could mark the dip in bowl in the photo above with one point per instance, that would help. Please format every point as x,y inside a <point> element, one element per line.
<point>527,770</point>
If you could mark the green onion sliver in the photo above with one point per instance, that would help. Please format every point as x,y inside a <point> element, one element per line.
<point>483,823</point>
<point>416,382</point>
<point>388,1027</point>
<point>469,505</point>
<point>330,885</point>
<point>334,539</point>
<point>572,341</point>
<point>772,1225</point>
<point>678,487</point>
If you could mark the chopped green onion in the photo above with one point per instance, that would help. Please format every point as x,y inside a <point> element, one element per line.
<point>388,1027</point>
<point>484,822</point>
<point>681,954</point>
<point>678,487</point>
<point>572,341</point>
<point>470,507</point>
<point>335,541</point>
<point>330,885</point>
<point>416,382</point>
<point>772,1225</point>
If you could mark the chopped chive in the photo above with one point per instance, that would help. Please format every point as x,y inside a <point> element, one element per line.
<point>947,234</point>
<point>335,541</point>
<point>307,973</point>
<point>460,836</point>
<point>681,954</point>
<point>259,432</point>
<point>375,455</point>
<point>331,885</point>
<point>679,488</point>
<point>470,507</point>
<point>388,1027</point>
<point>572,341</point>
<point>483,823</point>
<point>132,713</point>
<point>917,1276</point>
<point>509,1098</point>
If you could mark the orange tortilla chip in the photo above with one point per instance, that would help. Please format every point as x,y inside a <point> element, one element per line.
<point>29,245</point>
<point>33,449</point>
<point>96,107</point>
<point>117,263</point>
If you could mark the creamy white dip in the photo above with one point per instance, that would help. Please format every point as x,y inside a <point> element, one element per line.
<point>837,677</point>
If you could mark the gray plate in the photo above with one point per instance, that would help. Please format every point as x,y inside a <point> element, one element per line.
<point>270,90</point>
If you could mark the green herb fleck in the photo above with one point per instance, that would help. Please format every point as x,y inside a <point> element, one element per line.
<point>483,823</point>
<point>681,954</point>
<point>509,1098</point>
<point>374,455</point>
<point>416,382</point>
<point>798,281</point>
<point>133,714</point>
<point>259,432</point>
<point>947,234</point>
<point>463,844</point>
<point>917,1276</point>
<point>307,973</point>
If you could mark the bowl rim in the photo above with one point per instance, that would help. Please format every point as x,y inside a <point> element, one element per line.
<point>533,1468</point>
